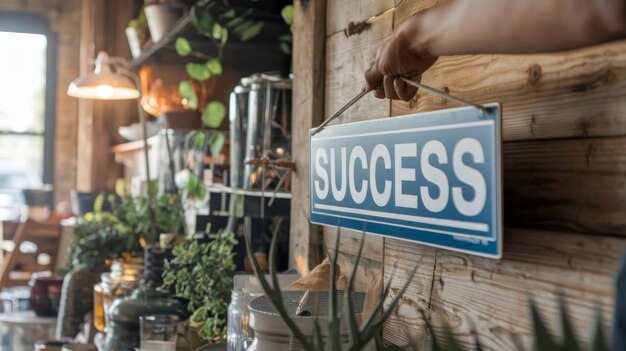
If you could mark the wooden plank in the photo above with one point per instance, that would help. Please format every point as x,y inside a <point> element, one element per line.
<point>341,13</point>
<point>98,121</point>
<point>490,296</point>
<point>578,94</point>
<point>307,110</point>
<point>576,184</point>
<point>346,60</point>
<point>369,274</point>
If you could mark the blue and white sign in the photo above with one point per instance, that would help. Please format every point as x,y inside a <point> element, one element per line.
<point>432,178</point>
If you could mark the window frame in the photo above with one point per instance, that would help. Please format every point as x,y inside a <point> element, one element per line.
<point>29,23</point>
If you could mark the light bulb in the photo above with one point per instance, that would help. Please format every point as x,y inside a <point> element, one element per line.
<point>104,91</point>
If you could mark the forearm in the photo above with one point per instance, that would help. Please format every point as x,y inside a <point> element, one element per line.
<point>514,26</point>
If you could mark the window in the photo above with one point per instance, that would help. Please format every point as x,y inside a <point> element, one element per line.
<point>27,100</point>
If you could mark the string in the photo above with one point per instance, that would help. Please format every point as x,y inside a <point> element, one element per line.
<point>427,88</point>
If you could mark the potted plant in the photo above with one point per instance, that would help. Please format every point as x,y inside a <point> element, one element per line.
<point>161,16</point>
<point>137,33</point>
<point>202,272</point>
<point>217,21</point>
<point>324,333</point>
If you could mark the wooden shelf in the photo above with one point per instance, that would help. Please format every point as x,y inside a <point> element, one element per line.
<point>260,54</point>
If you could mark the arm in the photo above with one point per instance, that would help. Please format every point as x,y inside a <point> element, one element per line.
<point>490,26</point>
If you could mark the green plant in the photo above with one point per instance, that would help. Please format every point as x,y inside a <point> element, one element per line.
<point>98,237</point>
<point>361,336</point>
<point>370,330</point>
<point>203,274</point>
<point>216,21</point>
<point>140,22</point>
<point>134,216</point>
<point>286,40</point>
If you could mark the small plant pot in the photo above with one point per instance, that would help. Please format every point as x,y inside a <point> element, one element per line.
<point>136,37</point>
<point>161,18</point>
<point>272,334</point>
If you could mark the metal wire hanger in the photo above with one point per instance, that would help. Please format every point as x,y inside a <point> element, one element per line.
<point>431,90</point>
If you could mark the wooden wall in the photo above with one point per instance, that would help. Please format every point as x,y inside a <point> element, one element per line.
<point>564,185</point>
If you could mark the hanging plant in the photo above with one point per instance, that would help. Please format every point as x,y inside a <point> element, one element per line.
<point>215,20</point>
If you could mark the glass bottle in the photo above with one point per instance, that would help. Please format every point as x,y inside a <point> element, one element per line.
<point>120,282</point>
<point>240,335</point>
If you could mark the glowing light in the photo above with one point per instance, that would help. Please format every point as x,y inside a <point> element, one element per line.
<point>104,91</point>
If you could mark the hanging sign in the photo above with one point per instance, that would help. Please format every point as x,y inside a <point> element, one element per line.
<point>432,178</point>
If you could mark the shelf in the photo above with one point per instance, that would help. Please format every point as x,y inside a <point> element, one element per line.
<point>256,204</point>
<point>260,54</point>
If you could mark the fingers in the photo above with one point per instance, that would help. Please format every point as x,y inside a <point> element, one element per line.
<point>390,90</point>
<point>373,78</point>
<point>404,91</point>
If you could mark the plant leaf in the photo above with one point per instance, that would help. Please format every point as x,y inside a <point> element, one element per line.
<point>214,114</point>
<point>251,31</point>
<point>229,14</point>
<point>217,31</point>
<point>183,48</point>
<point>217,143</point>
<point>598,341</point>
<point>569,337</point>
<point>542,338</point>
<point>193,101</point>
<point>288,14</point>
<point>201,19</point>
<point>198,71</point>
<point>199,139</point>
<point>185,89</point>
<point>214,66</point>
<point>224,35</point>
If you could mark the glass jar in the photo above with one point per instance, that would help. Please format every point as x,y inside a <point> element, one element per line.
<point>240,335</point>
<point>120,282</point>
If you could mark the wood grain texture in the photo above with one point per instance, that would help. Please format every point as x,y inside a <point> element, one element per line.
<point>346,60</point>
<point>341,12</point>
<point>575,185</point>
<point>98,121</point>
<point>490,296</point>
<point>578,94</point>
<point>308,110</point>
<point>569,184</point>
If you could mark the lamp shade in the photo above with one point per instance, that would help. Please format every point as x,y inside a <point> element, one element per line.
<point>103,83</point>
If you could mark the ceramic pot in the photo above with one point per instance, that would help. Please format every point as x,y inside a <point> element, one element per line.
<point>161,18</point>
<point>124,314</point>
<point>272,334</point>
<point>45,295</point>
<point>136,37</point>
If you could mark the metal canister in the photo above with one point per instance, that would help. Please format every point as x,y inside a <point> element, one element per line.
<point>260,128</point>
<point>238,116</point>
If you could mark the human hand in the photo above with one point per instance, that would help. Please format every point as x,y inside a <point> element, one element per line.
<point>400,54</point>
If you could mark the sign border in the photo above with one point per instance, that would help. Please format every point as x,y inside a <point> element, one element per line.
<point>498,230</point>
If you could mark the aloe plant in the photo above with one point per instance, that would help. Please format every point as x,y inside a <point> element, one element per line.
<point>363,335</point>
<point>371,329</point>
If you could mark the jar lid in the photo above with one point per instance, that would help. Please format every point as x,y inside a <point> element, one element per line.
<point>273,79</point>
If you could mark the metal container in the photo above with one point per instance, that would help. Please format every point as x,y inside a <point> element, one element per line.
<point>238,116</point>
<point>260,109</point>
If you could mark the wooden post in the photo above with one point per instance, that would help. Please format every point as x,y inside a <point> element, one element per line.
<point>308,110</point>
<point>102,28</point>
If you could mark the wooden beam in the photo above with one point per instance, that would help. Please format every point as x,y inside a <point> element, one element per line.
<point>92,23</point>
<point>308,109</point>
<point>102,28</point>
